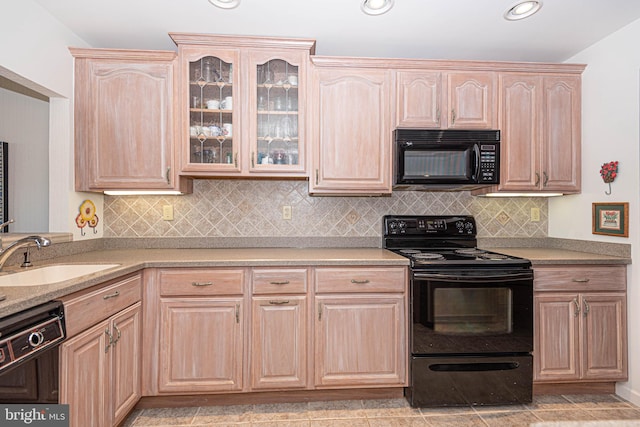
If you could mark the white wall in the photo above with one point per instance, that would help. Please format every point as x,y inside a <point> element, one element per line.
<point>610,126</point>
<point>34,52</point>
<point>24,125</point>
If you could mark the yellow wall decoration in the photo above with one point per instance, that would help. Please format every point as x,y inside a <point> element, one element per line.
<point>87,216</point>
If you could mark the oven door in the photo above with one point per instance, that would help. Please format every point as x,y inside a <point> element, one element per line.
<point>472,312</point>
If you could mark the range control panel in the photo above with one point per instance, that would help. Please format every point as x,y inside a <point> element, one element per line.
<point>453,225</point>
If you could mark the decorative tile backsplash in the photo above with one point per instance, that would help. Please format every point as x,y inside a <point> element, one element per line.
<point>251,208</point>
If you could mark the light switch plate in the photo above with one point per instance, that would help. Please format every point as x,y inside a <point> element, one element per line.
<point>167,212</point>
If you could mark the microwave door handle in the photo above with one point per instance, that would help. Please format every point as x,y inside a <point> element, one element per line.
<point>476,172</point>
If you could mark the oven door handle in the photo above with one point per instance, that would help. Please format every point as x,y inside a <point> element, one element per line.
<point>507,277</point>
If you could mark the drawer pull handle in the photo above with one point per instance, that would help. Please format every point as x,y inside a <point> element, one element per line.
<point>580,280</point>
<point>113,295</point>
<point>201,284</point>
<point>360,282</point>
<point>279,302</point>
<point>283,282</point>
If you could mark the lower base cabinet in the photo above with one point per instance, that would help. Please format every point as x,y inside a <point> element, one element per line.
<point>360,327</point>
<point>100,371</point>
<point>581,326</point>
<point>201,345</point>
<point>279,338</point>
<point>360,341</point>
<point>276,328</point>
<point>100,362</point>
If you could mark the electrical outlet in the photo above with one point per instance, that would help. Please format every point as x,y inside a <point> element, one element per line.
<point>167,212</point>
<point>535,214</point>
<point>286,212</point>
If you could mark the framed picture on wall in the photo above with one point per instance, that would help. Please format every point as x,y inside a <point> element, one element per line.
<point>611,219</point>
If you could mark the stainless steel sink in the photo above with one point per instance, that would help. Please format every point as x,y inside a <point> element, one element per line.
<point>52,274</point>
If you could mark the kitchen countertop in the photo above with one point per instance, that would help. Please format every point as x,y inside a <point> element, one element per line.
<point>539,256</point>
<point>131,260</point>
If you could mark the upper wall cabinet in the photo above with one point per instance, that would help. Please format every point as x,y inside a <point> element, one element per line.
<point>446,99</point>
<point>243,106</point>
<point>351,127</point>
<point>540,132</point>
<point>124,120</point>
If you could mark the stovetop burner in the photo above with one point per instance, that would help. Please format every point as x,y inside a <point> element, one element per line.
<point>427,256</point>
<point>472,252</point>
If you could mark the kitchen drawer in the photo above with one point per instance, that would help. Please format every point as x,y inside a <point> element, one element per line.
<point>360,279</point>
<point>580,278</point>
<point>89,308</point>
<point>279,280</point>
<point>201,281</point>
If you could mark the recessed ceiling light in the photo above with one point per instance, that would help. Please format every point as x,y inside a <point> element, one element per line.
<point>376,7</point>
<point>225,4</point>
<point>522,10</point>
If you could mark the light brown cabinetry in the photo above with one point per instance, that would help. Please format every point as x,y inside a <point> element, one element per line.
<point>124,119</point>
<point>540,132</point>
<point>351,127</point>
<point>279,349</point>
<point>100,365</point>
<point>361,329</point>
<point>580,322</point>
<point>201,344</point>
<point>446,99</point>
<point>242,104</point>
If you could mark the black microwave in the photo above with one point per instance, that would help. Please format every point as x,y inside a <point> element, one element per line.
<point>428,159</point>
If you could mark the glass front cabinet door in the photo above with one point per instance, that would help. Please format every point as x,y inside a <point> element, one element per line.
<point>243,105</point>
<point>277,105</point>
<point>212,114</point>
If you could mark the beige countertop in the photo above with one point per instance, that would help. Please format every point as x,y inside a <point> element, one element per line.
<point>539,256</point>
<point>22,297</point>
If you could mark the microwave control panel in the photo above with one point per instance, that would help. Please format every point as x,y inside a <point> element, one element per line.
<point>488,163</point>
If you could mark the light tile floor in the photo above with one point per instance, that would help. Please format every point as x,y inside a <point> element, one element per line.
<point>390,413</point>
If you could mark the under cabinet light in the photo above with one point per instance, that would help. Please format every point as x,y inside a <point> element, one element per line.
<point>376,7</point>
<point>522,10</point>
<point>522,194</point>
<point>225,4</point>
<point>142,193</point>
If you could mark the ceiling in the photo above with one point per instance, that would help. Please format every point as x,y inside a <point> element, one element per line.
<point>432,29</point>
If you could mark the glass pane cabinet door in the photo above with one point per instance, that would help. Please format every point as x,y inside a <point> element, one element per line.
<point>211,112</point>
<point>276,140</point>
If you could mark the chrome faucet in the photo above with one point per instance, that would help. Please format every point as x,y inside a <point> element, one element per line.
<point>38,241</point>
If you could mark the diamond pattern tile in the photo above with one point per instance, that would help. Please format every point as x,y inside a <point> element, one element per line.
<point>248,208</point>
